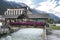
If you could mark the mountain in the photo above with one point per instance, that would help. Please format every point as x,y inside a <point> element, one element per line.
<point>51,15</point>
<point>6,4</point>
<point>56,18</point>
<point>34,11</point>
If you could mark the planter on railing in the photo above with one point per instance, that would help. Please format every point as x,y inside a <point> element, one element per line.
<point>28,23</point>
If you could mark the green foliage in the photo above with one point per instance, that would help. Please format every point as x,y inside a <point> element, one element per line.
<point>55,27</point>
<point>59,21</point>
<point>50,20</point>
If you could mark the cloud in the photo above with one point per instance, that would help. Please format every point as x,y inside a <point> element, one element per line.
<point>50,6</point>
<point>47,6</point>
<point>59,2</point>
<point>57,9</point>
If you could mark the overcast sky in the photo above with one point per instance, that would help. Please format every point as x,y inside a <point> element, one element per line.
<point>50,6</point>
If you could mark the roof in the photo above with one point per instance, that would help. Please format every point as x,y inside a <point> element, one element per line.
<point>10,16</point>
<point>38,15</point>
<point>29,16</point>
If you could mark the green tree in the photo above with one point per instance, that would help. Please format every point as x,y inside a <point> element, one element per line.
<point>58,21</point>
<point>50,20</point>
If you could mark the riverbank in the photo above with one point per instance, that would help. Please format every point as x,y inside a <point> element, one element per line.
<point>7,31</point>
<point>55,27</point>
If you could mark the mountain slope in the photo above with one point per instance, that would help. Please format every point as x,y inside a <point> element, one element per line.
<point>5,4</point>
<point>56,18</point>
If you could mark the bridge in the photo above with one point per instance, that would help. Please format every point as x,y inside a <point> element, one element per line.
<point>36,24</point>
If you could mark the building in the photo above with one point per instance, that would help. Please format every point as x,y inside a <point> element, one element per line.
<point>12,14</point>
<point>38,17</point>
<point>23,15</point>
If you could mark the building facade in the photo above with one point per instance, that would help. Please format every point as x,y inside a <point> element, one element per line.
<point>14,11</point>
<point>23,15</point>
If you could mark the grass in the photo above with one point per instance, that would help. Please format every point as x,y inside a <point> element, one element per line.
<point>55,27</point>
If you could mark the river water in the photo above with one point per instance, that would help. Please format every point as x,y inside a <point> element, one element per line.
<point>25,34</point>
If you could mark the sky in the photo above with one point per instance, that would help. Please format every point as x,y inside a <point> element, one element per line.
<point>49,6</point>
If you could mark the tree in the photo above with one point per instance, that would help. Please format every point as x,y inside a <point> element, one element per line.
<point>50,20</point>
<point>58,21</point>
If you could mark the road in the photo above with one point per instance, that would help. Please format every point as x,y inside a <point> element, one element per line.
<point>54,36</point>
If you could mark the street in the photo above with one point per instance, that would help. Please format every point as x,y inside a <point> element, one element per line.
<point>54,36</point>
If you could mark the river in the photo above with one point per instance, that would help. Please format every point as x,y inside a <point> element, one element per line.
<point>25,34</point>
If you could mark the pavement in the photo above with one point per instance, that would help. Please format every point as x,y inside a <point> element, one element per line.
<point>54,36</point>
